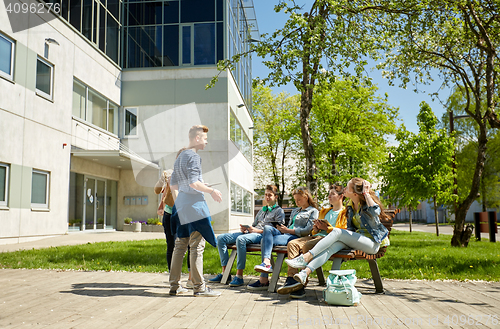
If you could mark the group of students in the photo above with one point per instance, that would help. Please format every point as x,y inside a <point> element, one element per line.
<point>311,236</point>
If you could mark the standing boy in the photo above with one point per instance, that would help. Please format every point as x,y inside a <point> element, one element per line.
<point>190,215</point>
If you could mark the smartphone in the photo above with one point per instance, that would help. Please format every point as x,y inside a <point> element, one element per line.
<point>245,226</point>
<point>214,184</point>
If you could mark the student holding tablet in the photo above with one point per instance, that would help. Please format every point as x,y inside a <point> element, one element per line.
<point>249,234</point>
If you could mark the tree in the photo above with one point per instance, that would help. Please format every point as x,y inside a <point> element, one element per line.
<point>349,125</point>
<point>466,131</point>
<point>422,167</point>
<point>276,136</point>
<point>312,47</point>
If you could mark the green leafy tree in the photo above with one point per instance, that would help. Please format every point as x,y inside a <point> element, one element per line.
<point>466,131</point>
<point>425,170</point>
<point>276,137</point>
<point>349,126</point>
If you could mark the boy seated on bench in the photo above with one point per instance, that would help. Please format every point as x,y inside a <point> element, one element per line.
<point>301,223</point>
<point>364,231</point>
<point>329,217</point>
<point>268,215</point>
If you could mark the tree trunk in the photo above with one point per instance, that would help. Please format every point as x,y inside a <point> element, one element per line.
<point>461,234</point>
<point>483,194</point>
<point>409,208</point>
<point>436,217</point>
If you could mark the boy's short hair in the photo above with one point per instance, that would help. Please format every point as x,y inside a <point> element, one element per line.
<point>272,188</point>
<point>196,130</point>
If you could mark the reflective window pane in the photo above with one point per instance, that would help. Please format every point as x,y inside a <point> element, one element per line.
<point>114,8</point>
<point>113,118</point>
<point>144,46</point>
<point>145,13</point>
<point>87,19</point>
<point>112,37</point>
<point>204,44</point>
<point>186,45</point>
<point>197,11</point>
<point>79,100</point>
<point>6,59</point>
<point>130,123</point>
<point>220,41</point>
<point>43,77</point>
<point>97,110</point>
<point>75,14</point>
<point>3,183</point>
<point>39,188</point>
<point>171,12</point>
<point>171,45</point>
<point>102,28</point>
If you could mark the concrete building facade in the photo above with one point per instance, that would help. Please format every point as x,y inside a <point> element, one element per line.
<point>97,98</point>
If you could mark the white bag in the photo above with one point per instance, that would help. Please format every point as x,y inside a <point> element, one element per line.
<point>340,289</point>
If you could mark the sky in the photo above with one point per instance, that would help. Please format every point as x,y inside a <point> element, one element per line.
<point>406,99</point>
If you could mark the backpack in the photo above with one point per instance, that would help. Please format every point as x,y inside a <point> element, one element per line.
<point>340,288</point>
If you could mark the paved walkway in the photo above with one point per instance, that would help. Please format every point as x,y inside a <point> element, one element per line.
<point>74,299</point>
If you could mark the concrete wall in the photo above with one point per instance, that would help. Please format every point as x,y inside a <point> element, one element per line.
<point>171,100</point>
<point>33,129</point>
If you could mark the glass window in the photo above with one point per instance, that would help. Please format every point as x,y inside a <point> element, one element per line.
<point>75,14</point>
<point>186,45</point>
<point>6,57</point>
<point>130,122</point>
<point>102,28</point>
<point>44,73</point>
<point>171,45</point>
<point>4,184</point>
<point>87,19</point>
<point>240,138</point>
<point>220,41</point>
<point>79,97</point>
<point>241,199</point>
<point>171,12</point>
<point>204,44</point>
<point>40,188</point>
<point>145,13</point>
<point>114,8</point>
<point>112,122</point>
<point>220,10</point>
<point>197,11</point>
<point>144,46</point>
<point>97,110</point>
<point>112,37</point>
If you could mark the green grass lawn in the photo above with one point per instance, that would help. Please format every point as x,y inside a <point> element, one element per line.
<point>411,256</point>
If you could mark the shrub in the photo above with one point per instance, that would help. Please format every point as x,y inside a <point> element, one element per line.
<point>127,220</point>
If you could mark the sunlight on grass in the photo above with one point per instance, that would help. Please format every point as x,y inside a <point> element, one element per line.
<point>411,256</point>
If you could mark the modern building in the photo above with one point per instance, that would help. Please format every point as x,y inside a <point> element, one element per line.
<point>97,97</point>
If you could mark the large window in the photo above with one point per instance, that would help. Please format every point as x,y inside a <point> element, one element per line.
<point>241,199</point>
<point>98,21</point>
<point>4,184</point>
<point>173,33</point>
<point>44,78</point>
<point>7,47</point>
<point>240,138</point>
<point>130,122</point>
<point>94,108</point>
<point>40,181</point>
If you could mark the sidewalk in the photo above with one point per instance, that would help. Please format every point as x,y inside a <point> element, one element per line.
<point>431,228</point>
<point>76,299</point>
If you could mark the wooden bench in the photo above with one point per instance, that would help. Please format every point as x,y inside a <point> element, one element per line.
<point>280,252</point>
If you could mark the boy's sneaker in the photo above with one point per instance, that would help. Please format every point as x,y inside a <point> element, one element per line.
<point>207,293</point>
<point>189,284</point>
<point>290,286</point>
<point>218,278</point>
<point>298,293</point>
<point>257,285</point>
<point>236,282</point>
<point>263,268</point>
<point>181,290</point>
<point>297,262</point>
<point>301,277</point>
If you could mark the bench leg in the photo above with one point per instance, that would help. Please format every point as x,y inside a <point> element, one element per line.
<point>229,266</point>
<point>377,280</point>
<point>276,272</point>
<point>320,275</point>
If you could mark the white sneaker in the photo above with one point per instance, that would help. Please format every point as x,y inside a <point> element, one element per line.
<point>189,284</point>
<point>207,293</point>
<point>297,262</point>
<point>301,277</point>
<point>181,290</point>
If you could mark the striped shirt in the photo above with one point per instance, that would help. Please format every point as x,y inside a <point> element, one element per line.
<point>187,170</point>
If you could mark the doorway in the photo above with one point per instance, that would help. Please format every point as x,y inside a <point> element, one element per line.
<point>95,205</point>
